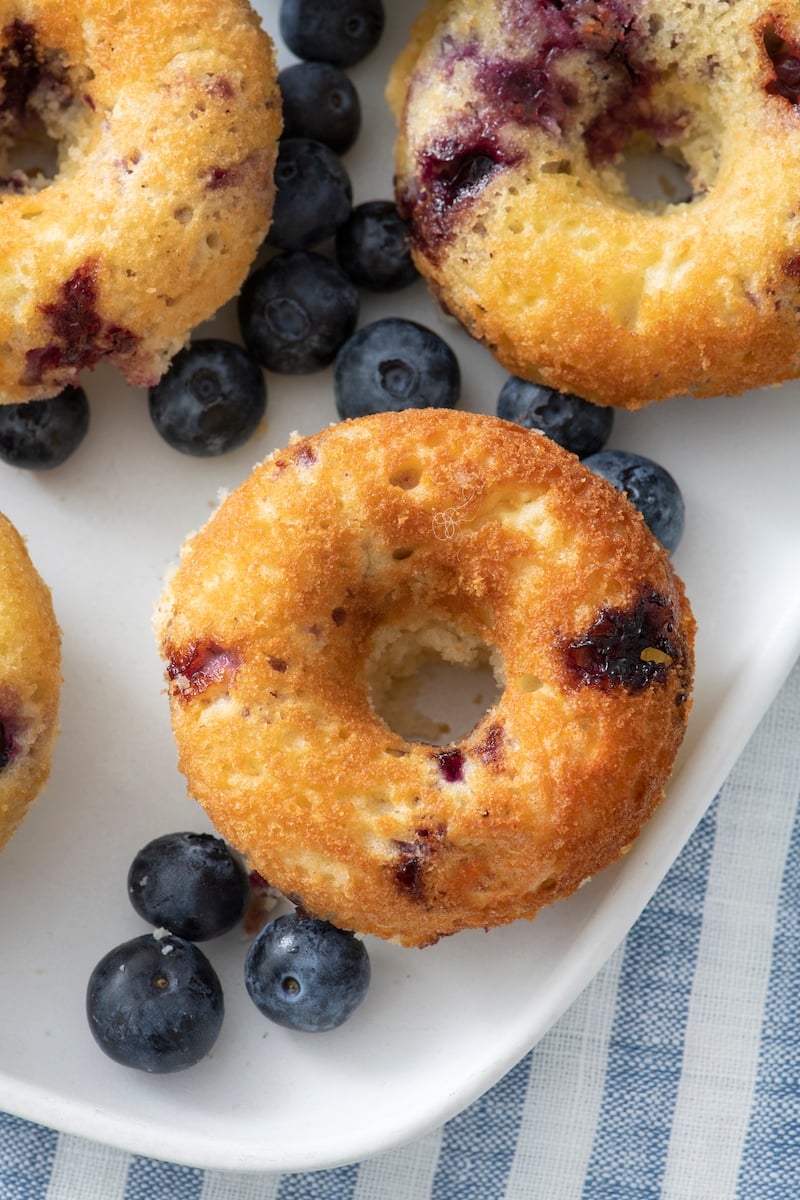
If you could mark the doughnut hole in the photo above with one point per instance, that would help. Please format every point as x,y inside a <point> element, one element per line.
<point>657,155</point>
<point>654,175</point>
<point>44,103</point>
<point>29,161</point>
<point>432,684</point>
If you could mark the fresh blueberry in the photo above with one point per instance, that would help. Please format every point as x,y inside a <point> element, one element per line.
<point>649,487</point>
<point>335,31</point>
<point>320,102</point>
<point>306,974</point>
<point>295,312</point>
<point>374,249</point>
<point>211,399</point>
<point>190,884</point>
<point>395,364</point>
<point>155,1003</point>
<point>41,434</point>
<point>571,421</point>
<point>313,196</point>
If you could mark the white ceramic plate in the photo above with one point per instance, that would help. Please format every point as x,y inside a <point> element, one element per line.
<point>440,1025</point>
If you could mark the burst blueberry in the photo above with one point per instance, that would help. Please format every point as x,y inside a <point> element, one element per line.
<point>6,746</point>
<point>296,311</point>
<point>189,883</point>
<point>395,364</point>
<point>313,197</point>
<point>573,422</point>
<point>321,102</point>
<point>630,648</point>
<point>155,1004</point>
<point>41,434</point>
<point>335,31</point>
<point>211,400</point>
<point>306,974</point>
<point>649,487</point>
<point>373,247</point>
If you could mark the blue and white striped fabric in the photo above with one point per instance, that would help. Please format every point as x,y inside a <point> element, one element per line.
<point>675,1076</point>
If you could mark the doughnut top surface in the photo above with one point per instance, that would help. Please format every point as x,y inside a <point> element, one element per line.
<point>30,680</point>
<point>522,126</point>
<point>161,120</point>
<point>318,587</point>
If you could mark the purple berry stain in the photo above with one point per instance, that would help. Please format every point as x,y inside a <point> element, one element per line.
<point>5,746</point>
<point>300,456</point>
<point>785,58</point>
<point>200,665</point>
<point>532,91</point>
<point>630,648</point>
<point>408,875</point>
<point>81,336</point>
<point>10,729</point>
<point>490,749</point>
<point>20,67</point>
<point>220,177</point>
<point>527,94</point>
<point>412,858</point>
<point>221,87</point>
<point>452,171</point>
<point>451,765</point>
<point>24,69</point>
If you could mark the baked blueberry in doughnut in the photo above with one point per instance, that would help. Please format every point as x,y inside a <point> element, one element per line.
<point>323,581</point>
<point>520,126</point>
<point>30,680</point>
<point>162,122</point>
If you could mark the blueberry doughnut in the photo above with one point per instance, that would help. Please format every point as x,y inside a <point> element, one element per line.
<point>30,680</point>
<point>162,120</point>
<point>324,580</point>
<point>520,122</point>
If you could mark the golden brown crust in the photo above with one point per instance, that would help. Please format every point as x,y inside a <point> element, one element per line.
<point>547,259</point>
<point>30,680</point>
<point>450,530</point>
<point>167,117</point>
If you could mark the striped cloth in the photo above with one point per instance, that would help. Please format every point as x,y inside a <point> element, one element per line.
<point>676,1075</point>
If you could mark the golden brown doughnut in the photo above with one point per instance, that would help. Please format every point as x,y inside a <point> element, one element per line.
<point>516,118</point>
<point>166,116</point>
<point>30,680</point>
<point>338,564</point>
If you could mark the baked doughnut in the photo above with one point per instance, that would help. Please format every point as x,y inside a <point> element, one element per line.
<point>519,122</point>
<point>30,680</point>
<point>164,115</point>
<point>329,574</point>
